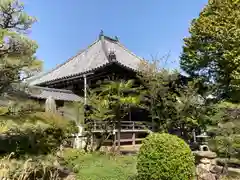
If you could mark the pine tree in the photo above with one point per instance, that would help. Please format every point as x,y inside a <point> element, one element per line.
<point>17,51</point>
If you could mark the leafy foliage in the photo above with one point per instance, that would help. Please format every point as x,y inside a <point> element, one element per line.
<point>108,104</point>
<point>24,127</point>
<point>31,168</point>
<point>212,50</point>
<point>225,130</point>
<point>97,110</point>
<point>164,156</point>
<point>159,98</point>
<point>174,102</point>
<point>37,133</point>
<point>120,96</point>
<point>17,51</point>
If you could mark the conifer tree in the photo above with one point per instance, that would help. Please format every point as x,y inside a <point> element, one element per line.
<point>17,51</point>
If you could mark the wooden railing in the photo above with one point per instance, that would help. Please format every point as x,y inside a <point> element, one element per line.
<point>125,126</point>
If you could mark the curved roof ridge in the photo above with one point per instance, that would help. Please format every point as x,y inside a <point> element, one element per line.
<point>124,56</point>
<point>124,47</point>
<point>69,60</point>
<point>93,57</point>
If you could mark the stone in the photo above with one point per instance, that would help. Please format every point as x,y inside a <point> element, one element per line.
<point>205,161</point>
<point>216,169</point>
<point>207,176</point>
<point>213,161</point>
<point>201,169</point>
<point>205,154</point>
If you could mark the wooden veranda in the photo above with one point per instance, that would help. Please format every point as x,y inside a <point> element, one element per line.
<point>131,132</point>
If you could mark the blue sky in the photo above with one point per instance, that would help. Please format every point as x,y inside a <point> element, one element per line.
<point>148,28</point>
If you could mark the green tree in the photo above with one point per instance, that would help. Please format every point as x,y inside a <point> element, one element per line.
<point>225,130</point>
<point>17,56</point>
<point>108,104</point>
<point>212,50</point>
<point>173,101</point>
<point>97,115</point>
<point>17,51</point>
<point>120,97</point>
<point>159,98</point>
<point>22,120</point>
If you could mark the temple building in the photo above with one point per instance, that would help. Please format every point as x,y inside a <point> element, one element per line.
<point>105,58</point>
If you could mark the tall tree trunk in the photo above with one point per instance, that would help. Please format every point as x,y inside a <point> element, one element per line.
<point>119,134</point>
<point>103,138</point>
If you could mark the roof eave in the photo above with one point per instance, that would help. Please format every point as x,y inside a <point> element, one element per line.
<point>80,75</point>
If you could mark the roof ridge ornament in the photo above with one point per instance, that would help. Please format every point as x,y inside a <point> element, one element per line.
<point>112,55</point>
<point>116,38</point>
<point>101,34</point>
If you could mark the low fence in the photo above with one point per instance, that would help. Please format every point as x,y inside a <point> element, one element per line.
<point>127,126</point>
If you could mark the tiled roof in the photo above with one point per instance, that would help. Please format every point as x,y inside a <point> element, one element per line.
<point>57,94</point>
<point>95,56</point>
<point>38,93</point>
<point>33,78</point>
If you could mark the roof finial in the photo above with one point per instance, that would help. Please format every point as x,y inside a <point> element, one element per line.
<point>101,34</point>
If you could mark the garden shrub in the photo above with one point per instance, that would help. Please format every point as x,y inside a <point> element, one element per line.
<point>31,141</point>
<point>38,133</point>
<point>71,158</point>
<point>34,168</point>
<point>165,157</point>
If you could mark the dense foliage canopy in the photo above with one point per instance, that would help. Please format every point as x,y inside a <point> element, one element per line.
<point>212,52</point>
<point>17,51</point>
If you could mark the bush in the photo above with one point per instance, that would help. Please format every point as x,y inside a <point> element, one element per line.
<point>34,168</point>
<point>31,141</point>
<point>38,133</point>
<point>165,156</point>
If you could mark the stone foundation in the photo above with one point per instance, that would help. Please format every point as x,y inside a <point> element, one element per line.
<point>207,168</point>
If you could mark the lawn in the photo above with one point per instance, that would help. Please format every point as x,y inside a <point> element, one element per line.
<point>104,167</point>
<point>101,167</point>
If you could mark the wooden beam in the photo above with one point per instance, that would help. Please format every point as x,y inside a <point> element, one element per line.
<point>85,89</point>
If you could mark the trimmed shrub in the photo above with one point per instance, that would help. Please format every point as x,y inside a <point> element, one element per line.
<point>165,157</point>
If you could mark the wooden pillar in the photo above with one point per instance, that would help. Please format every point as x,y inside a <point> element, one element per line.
<point>130,115</point>
<point>134,139</point>
<point>194,136</point>
<point>92,140</point>
<point>114,140</point>
<point>119,135</point>
<point>85,89</point>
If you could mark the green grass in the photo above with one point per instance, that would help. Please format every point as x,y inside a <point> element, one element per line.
<point>105,167</point>
<point>102,167</point>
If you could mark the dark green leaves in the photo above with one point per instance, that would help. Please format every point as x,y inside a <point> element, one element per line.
<point>212,50</point>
